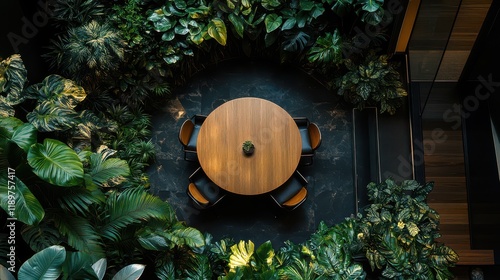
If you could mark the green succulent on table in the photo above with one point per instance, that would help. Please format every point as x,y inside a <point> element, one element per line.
<point>248,147</point>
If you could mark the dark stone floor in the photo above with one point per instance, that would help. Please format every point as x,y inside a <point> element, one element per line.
<point>331,188</point>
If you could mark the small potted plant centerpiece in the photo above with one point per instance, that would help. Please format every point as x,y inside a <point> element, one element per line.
<point>248,147</point>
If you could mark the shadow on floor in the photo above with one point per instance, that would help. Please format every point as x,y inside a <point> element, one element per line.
<point>331,188</point>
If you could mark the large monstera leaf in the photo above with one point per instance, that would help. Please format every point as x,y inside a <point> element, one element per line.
<point>61,91</point>
<point>18,201</point>
<point>56,163</point>
<point>13,77</point>
<point>241,254</point>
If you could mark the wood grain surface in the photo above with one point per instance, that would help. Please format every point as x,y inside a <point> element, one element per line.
<point>274,133</point>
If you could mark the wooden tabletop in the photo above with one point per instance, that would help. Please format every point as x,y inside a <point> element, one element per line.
<point>273,131</point>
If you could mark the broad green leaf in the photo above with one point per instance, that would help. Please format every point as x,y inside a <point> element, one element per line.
<point>13,77</point>
<point>24,136</point>
<point>8,125</point>
<point>289,23</point>
<point>327,49</point>
<point>5,273</point>
<point>18,201</point>
<point>342,6</point>
<point>241,254</point>
<point>237,23</point>
<point>99,268</point>
<point>373,18</point>
<point>189,236</point>
<point>161,22</point>
<point>45,264</point>
<point>217,30</point>
<point>56,163</point>
<point>265,253</point>
<point>78,265</point>
<point>168,36</point>
<point>270,4</point>
<point>272,22</point>
<point>371,5</point>
<point>130,272</point>
<point>151,240</point>
<point>48,117</point>
<point>60,91</point>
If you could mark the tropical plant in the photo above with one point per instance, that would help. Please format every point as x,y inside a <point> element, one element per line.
<point>75,13</point>
<point>374,81</point>
<point>398,232</point>
<point>88,53</point>
<point>55,261</point>
<point>13,77</point>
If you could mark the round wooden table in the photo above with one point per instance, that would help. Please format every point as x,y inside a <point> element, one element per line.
<point>273,131</point>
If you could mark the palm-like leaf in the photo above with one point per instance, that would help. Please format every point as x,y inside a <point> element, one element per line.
<point>13,77</point>
<point>199,268</point>
<point>19,202</point>
<point>130,272</point>
<point>103,168</point>
<point>54,162</point>
<point>78,199</point>
<point>45,264</point>
<point>133,205</point>
<point>88,52</point>
<point>80,233</point>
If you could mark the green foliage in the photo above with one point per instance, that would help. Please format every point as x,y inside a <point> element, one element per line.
<point>327,50</point>
<point>374,81</point>
<point>45,264</point>
<point>56,99</point>
<point>12,80</point>
<point>54,162</point>
<point>88,53</point>
<point>132,206</point>
<point>75,13</point>
<point>18,201</point>
<point>398,233</point>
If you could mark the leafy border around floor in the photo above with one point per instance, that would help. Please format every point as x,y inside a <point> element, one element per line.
<point>73,148</point>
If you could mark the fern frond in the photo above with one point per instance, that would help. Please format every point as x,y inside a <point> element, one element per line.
<point>132,206</point>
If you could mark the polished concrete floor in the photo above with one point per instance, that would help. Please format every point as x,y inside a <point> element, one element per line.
<point>332,195</point>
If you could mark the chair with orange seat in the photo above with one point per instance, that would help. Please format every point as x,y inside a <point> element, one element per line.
<point>188,135</point>
<point>292,193</point>
<point>311,139</point>
<point>203,191</point>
